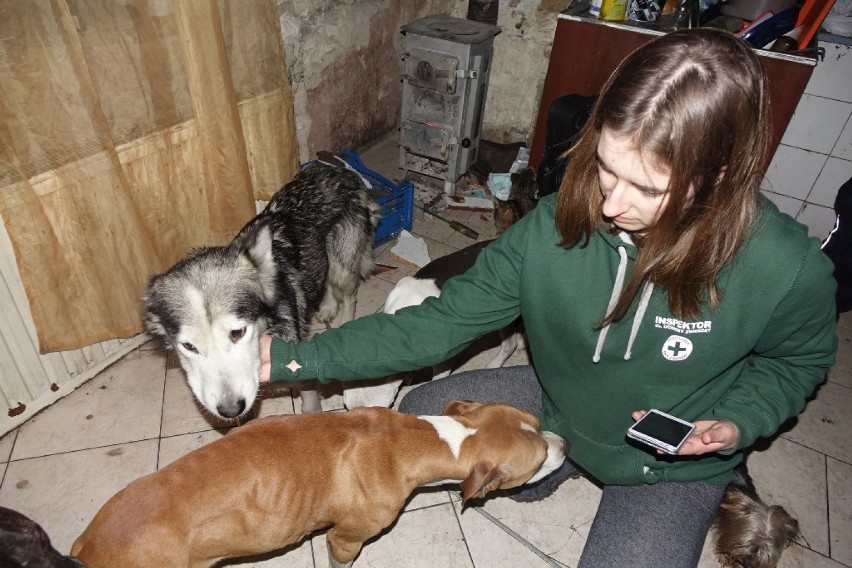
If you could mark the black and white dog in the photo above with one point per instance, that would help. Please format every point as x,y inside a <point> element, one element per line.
<point>412,291</point>
<point>303,257</point>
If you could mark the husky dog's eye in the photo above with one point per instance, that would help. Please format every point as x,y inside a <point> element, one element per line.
<point>237,334</point>
<point>189,347</point>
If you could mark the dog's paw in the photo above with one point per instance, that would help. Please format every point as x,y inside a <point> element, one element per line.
<point>326,317</point>
<point>327,311</point>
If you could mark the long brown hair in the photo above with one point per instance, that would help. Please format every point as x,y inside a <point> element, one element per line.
<point>695,103</point>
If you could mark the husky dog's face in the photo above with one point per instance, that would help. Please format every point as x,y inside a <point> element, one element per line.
<point>211,309</point>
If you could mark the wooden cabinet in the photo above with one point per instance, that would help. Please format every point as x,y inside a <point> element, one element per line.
<point>586,51</point>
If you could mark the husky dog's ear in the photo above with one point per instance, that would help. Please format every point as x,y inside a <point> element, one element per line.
<point>151,303</point>
<point>254,243</point>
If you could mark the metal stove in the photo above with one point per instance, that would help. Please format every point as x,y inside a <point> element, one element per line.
<point>446,63</point>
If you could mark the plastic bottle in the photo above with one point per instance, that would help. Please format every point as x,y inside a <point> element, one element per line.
<point>610,10</point>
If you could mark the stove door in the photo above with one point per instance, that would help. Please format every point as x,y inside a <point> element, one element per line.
<point>431,70</point>
<point>426,140</point>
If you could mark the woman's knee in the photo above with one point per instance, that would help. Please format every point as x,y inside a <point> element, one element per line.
<point>651,525</point>
<point>517,386</point>
<point>424,400</point>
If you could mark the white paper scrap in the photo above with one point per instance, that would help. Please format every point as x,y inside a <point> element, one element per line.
<point>411,249</point>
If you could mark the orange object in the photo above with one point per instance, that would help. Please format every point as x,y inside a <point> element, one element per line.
<point>811,15</point>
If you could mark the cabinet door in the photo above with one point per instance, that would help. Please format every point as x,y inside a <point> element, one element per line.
<point>585,54</point>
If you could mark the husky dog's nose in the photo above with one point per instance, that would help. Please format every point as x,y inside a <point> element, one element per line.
<point>231,408</point>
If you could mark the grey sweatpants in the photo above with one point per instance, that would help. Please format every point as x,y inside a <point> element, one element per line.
<point>664,524</point>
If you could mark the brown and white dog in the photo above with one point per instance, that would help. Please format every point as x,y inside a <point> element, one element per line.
<point>412,291</point>
<point>276,480</point>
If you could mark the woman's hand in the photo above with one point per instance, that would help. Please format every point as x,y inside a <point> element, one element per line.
<point>708,436</point>
<point>265,360</point>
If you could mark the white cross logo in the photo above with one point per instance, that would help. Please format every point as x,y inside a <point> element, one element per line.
<point>677,348</point>
<point>293,366</point>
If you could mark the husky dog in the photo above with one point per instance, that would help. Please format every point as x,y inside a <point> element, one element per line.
<point>303,256</point>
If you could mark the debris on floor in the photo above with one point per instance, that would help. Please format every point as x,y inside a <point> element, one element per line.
<point>411,251</point>
<point>476,190</point>
<point>382,267</point>
<point>469,203</point>
<point>500,185</point>
<point>454,225</point>
<point>425,188</point>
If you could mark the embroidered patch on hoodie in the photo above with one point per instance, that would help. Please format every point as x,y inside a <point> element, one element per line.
<point>677,348</point>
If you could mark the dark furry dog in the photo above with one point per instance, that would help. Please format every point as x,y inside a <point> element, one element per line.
<point>304,256</point>
<point>838,247</point>
<point>520,202</point>
<point>23,543</point>
<point>747,532</point>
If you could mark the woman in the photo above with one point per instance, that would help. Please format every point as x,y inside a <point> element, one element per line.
<point>659,277</point>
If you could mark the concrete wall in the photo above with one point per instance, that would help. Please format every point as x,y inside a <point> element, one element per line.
<point>521,53</point>
<point>344,61</point>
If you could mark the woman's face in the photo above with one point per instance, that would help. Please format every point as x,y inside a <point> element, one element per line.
<point>634,189</point>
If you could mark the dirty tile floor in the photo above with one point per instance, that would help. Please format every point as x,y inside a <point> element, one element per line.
<point>138,415</point>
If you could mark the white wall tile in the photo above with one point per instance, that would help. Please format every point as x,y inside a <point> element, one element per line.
<point>819,219</point>
<point>817,123</point>
<point>832,77</point>
<point>843,147</point>
<point>785,204</point>
<point>835,173</point>
<point>793,171</point>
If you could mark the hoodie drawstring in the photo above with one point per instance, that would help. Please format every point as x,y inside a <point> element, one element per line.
<point>617,286</point>
<point>613,299</point>
<point>637,319</point>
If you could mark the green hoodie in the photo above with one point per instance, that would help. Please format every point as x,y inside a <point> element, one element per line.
<point>752,361</point>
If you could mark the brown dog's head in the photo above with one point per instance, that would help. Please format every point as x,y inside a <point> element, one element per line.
<point>509,447</point>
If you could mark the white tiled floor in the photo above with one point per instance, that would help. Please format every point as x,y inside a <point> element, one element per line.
<point>139,415</point>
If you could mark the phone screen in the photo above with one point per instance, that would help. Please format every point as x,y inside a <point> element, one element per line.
<point>669,431</point>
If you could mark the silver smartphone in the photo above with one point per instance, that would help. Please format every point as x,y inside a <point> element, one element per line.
<point>662,431</point>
